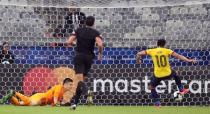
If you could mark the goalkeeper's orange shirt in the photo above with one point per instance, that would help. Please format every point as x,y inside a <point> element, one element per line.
<point>55,91</point>
<point>160,57</point>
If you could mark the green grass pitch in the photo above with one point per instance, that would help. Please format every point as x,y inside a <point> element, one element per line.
<point>9,109</point>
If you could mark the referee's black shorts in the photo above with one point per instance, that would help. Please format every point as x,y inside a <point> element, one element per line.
<point>82,63</point>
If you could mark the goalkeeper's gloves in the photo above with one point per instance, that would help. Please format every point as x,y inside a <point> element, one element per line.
<point>57,104</point>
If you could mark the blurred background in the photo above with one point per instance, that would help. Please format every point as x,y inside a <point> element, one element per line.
<point>35,34</point>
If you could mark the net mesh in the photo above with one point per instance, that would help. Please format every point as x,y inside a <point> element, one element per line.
<point>100,3</point>
<point>38,29</point>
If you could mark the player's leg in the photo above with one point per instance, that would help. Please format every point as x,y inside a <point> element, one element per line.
<point>178,83</point>
<point>7,97</point>
<point>15,101</point>
<point>87,95</point>
<point>83,68</point>
<point>154,83</point>
<point>79,67</point>
<point>38,99</point>
<point>81,89</point>
<point>24,99</point>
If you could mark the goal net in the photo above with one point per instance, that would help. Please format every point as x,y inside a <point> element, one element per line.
<point>37,30</point>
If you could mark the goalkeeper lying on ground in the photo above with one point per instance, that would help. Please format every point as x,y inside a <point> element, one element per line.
<point>53,96</point>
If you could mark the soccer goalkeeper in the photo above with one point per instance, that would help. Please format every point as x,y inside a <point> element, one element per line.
<point>53,96</point>
<point>162,69</point>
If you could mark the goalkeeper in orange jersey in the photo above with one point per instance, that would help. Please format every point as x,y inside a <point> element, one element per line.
<point>162,70</point>
<point>53,96</point>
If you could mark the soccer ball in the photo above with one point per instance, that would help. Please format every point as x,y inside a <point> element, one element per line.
<point>178,96</point>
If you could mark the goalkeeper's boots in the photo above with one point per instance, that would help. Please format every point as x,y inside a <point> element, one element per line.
<point>184,91</point>
<point>73,107</point>
<point>157,104</point>
<point>7,97</point>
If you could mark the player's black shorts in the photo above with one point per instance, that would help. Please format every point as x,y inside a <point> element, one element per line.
<point>156,81</point>
<point>82,63</point>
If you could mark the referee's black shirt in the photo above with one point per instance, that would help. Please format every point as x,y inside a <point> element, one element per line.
<point>86,38</point>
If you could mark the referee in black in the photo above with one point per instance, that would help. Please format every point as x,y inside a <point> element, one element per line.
<point>86,38</point>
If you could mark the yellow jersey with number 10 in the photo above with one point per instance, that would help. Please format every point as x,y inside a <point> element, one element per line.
<point>160,57</point>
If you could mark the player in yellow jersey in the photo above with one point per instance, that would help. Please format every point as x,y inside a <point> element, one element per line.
<point>53,96</point>
<point>162,70</point>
